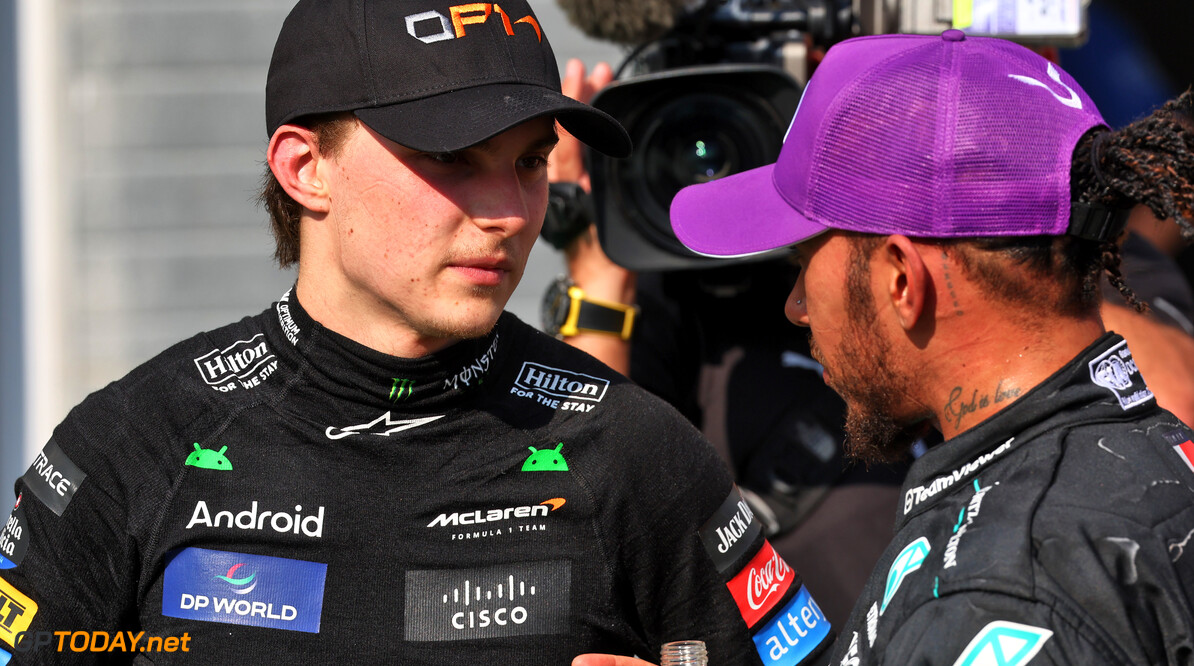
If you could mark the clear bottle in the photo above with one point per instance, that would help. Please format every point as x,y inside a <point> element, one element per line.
<point>684,653</point>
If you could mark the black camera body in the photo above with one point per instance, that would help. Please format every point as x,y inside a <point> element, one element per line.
<point>713,97</point>
<point>716,93</point>
<point>689,125</point>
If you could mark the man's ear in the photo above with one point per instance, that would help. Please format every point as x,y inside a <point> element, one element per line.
<point>908,283</point>
<point>294,157</point>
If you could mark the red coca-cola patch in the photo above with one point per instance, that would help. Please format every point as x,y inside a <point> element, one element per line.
<point>761,584</point>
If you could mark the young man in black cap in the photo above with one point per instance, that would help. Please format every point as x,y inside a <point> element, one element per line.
<point>382,466</point>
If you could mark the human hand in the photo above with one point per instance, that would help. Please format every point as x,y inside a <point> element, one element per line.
<point>566,164</point>
<point>607,660</point>
<point>587,262</point>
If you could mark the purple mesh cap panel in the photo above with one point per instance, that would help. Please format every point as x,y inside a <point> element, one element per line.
<point>949,136</point>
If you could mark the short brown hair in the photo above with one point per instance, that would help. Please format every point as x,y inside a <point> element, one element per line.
<point>331,131</point>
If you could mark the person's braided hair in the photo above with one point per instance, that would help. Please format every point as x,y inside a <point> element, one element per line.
<point>1150,162</point>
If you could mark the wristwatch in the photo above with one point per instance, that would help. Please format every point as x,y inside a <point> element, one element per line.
<point>566,311</point>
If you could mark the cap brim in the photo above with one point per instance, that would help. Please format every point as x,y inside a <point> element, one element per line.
<point>738,216</point>
<point>466,117</point>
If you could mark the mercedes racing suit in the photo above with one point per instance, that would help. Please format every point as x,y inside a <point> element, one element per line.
<point>1057,531</point>
<point>272,491</point>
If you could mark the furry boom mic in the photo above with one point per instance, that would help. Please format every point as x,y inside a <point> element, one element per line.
<point>628,23</point>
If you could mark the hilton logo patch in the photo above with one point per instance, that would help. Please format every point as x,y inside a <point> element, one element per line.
<point>558,388</point>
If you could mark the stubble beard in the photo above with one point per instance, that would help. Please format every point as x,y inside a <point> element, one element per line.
<point>870,387</point>
<point>476,326</point>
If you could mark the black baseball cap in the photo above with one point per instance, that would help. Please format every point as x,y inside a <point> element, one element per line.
<point>426,74</point>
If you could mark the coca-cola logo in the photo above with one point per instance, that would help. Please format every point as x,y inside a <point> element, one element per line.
<point>764,581</point>
<point>761,584</point>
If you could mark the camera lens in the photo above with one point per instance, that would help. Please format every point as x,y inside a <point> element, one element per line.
<point>695,138</point>
<point>700,158</point>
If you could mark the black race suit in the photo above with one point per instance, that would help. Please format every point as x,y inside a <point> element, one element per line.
<point>1058,531</point>
<point>277,493</point>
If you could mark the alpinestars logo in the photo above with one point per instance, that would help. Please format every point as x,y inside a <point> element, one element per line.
<point>243,364</point>
<point>382,426</point>
<point>515,599</point>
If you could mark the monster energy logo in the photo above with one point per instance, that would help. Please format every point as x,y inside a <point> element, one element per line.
<point>402,389</point>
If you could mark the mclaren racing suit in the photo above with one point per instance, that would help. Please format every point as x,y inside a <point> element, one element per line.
<point>1058,531</point>
<point>274,492</point>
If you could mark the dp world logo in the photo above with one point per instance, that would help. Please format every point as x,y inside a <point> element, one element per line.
<point>242,585</point>
<point>1004,644</point>
<point>906,562</point>
<point>244,589</point>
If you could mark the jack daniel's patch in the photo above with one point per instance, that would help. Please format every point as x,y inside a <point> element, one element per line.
<point>1115,371</point>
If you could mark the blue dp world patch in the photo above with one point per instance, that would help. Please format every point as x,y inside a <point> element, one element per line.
<point>794,633</point>
<point>237,588</point>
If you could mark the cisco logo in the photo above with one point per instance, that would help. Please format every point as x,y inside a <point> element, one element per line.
<point>516,599</point>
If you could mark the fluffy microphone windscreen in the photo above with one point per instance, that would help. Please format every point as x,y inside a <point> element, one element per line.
<point>628,23</point>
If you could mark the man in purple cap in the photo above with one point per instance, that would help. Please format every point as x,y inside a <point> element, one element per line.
<point>383,466</point>
<point>953,202</point>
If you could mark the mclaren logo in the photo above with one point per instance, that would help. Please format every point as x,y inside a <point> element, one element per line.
<point>482,516</point>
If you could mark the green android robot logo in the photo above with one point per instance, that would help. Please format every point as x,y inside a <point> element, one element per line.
<point>546,460</point>
<point>208,459</point>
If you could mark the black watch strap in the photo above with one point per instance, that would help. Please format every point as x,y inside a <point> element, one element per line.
<point>567,311</point>
<point>591,316</point>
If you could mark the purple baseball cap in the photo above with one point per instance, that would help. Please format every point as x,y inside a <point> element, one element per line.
<point>926,136</point>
